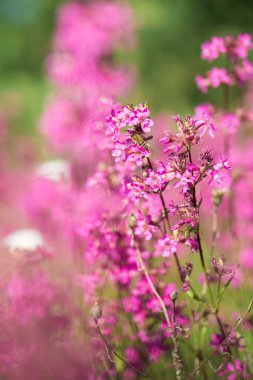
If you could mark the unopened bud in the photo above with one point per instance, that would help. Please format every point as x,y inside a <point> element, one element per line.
<point>173,296</point>
<point>131,221</point>
<point>96,311</point>
<point>188,268</point>
<point>175,234</point>
<point>217,196</point>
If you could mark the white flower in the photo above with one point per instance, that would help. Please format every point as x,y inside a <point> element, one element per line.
<point>22,241</point>
<point>55,170</point>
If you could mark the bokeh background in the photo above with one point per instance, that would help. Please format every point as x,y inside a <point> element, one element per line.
<point>166,54</point>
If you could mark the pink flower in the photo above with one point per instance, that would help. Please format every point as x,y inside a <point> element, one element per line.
<point>131,355</point>
<point>210,50</point>
<point>175,140</point>
<point>135,191</point>
<point>119,151</point>
<point>222,164</point>
<point>204,124</point>
<point>167,245</point>
<point>136,153</point>
<point>229,123</point>
<point>244,44</point>
<point>144,228</point>
<point>204,109</point>
<point>243,72</point>
<point>184,180</point>
<point>234,371</point>
<point>246,258</point>
<point>218,76</point>
<point>158,179</point>
<point>142,117</point>
<point>215,77</point>
<point>202,83</point>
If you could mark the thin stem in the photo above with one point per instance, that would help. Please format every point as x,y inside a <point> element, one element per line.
<point>228,337</point>
<point>202,260</point>
<point>111,351</point>
<point>219,284</point>
<point>179,268</point>
<point>162,201</point>
<point>177,361</point>
<point>215,228</point>
<point>166,213</point>
<point>226,99</point>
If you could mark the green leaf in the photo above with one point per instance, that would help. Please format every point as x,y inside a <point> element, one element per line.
<point>221,293</point>
<point>202,335</point>
<point>192,294</point>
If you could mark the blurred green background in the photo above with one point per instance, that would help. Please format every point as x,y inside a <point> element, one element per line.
<point>167,55</point>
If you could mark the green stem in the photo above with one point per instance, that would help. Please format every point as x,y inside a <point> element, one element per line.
<point>177,361</point>
<point>203,264</point>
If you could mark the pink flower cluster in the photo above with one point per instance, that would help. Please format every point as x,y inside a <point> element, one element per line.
<point>236,50</point>
<point>136,121</point>
<point>214,78</point>
<point>85,76</point>
<point>116,276</point>
<point>235,47</point>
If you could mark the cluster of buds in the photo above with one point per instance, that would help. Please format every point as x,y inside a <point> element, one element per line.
<point>96,311</point>
<point>191,131</point>
<point>219,266</point>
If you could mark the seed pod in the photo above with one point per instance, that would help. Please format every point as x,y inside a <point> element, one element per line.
<point>96,311</point>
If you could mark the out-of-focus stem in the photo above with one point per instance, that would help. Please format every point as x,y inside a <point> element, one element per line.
<point>219,283</point>
<point>215,228</point>
<point>177,361</point>
<point>202,260</point>
<point>203,264</point>
<point>227,148</point>
<point>111,351</point>
<point>226,338</point>
<point>166,213</point>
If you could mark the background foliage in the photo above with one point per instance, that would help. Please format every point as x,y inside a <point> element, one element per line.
<point>169,34</point>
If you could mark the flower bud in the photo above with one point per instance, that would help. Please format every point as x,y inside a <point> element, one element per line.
<point>131,221</point>
<point>173,296</point>
<point>188,268</point>
<point>96,311</point>
<point>217,196</point>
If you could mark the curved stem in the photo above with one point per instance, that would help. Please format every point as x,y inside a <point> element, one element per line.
<point>215,229</point>
<point>177,361</point>
<point>111,351</point>
<point>228,337</point>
